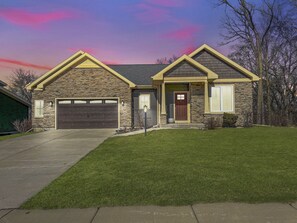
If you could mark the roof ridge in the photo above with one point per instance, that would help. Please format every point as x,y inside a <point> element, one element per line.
<point>133,64</point>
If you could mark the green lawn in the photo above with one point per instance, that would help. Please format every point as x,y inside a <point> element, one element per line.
<point>13,136</point>
<point>181,167</point>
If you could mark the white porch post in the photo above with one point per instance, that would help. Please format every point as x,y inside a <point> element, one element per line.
<point>206,98</point>
<point>163,100</point>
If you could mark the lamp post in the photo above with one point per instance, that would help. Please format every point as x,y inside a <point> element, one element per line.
<point>145,111</point>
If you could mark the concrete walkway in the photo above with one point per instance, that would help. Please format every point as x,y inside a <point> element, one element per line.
<point>29,163</point>
<point>200,213</point>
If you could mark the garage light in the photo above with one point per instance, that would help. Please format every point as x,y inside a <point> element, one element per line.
<point>122,103</point>
<point>51,104</point>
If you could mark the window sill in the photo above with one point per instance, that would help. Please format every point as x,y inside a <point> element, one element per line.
<point>218,113</point>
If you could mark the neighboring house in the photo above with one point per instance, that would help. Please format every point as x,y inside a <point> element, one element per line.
<point>82,92</point>
<point>12,108</point>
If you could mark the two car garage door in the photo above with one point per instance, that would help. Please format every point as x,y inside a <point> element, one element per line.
<point>87,114</point>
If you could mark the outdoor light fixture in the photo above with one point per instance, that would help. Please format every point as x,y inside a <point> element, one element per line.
<point>122,103</point>
<point>145,111</point>
<point>51,104</point>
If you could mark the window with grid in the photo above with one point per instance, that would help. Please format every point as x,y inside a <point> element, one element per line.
<point>144,99</point>
<point>39,105</point>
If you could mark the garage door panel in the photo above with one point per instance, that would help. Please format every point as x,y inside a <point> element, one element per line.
<point>88,115</point>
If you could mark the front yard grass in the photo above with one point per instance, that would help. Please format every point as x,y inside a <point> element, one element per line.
<point>181,167</point>
<point>4,137</point>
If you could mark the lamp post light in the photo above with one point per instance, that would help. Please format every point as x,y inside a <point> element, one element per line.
<point>145,111</point>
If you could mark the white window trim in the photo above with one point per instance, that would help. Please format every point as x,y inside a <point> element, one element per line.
<point>149,101</point>
<point>221,99</point>
<point>41,103</point>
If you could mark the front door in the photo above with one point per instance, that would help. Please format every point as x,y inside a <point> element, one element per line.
<point>181,112</point>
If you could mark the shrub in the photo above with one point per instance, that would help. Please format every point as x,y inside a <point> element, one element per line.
<point>229,120</point>
<point>22,126</point>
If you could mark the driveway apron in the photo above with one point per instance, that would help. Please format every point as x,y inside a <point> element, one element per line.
<point>29,163</point>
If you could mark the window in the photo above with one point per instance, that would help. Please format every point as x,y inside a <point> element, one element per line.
<point>222,99</point>
<point>180,97</point>
<point>80,102</point>
<point>39,104</point>
<point>144,99</point>
<point>111,101</point>
<point>65,102</point>
<point>96,102</point>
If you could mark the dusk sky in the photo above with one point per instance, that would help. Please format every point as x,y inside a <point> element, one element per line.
<point>37,35</point>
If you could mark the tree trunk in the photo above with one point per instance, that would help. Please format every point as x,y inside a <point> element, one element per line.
<point>260,106</point>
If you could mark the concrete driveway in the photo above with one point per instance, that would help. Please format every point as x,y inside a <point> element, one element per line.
<point>29,163</point>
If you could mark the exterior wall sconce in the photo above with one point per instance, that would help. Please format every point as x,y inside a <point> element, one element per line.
<point>51,104</point>
<point>122,103</point>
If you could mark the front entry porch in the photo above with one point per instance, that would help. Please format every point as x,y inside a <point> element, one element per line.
<point>183,103</point>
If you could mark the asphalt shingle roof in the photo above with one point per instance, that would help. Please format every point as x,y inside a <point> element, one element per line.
<point>139,74</point>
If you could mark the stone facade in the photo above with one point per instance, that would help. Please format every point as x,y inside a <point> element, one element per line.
<point>197,102</point>
<point>83,83</point>
<point>243,106</point>
<point>242,100</point>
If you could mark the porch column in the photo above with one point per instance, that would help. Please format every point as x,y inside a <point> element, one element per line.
<point>163,100</point>
<point>206,98</point>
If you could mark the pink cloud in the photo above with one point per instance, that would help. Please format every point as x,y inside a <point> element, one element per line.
<point>25,18</point>
<point>150,13</point>
<point>188,50</point>
<point>87,50</point>
<point>167,3</point>
<point>186,33</point>
<point>110,62</point>
<point>24,64</point>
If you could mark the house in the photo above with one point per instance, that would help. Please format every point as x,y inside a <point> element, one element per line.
<point>82,92</point>
<point>12,108</point>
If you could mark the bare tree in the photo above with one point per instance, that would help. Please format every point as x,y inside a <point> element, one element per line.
<point>278,55</point>
<point>18,81</point>
<point>165,60</point>
<point>250,23</point>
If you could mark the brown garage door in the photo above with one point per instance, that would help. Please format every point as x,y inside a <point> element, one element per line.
<point>87,114</point>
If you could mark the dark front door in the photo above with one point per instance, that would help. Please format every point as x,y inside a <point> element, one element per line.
<point>181,111</point>
<point>87,114</point>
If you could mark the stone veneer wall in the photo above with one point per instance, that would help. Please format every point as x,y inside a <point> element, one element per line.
<point>197,103</point>
<point>243,104</point>
<point>83,83</point>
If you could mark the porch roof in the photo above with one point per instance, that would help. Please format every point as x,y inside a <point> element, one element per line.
<point>209,74</point>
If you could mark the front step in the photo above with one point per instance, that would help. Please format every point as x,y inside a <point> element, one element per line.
<point>184,126</point>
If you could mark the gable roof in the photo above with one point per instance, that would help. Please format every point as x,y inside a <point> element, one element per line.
<point>210,74</point>
<point>74,60</point>
<point>13,96</point>
<point>225,59</point>
<point>140,74</point>
<point>2,84</point>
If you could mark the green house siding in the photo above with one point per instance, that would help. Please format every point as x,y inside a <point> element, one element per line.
<point>10,110</point>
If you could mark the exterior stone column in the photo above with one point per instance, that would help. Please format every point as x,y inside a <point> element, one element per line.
<point>163,100</point>
<point>206,97</point>
<point>163,119</point>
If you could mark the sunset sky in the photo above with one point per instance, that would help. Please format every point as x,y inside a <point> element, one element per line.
<point>37,35</point>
